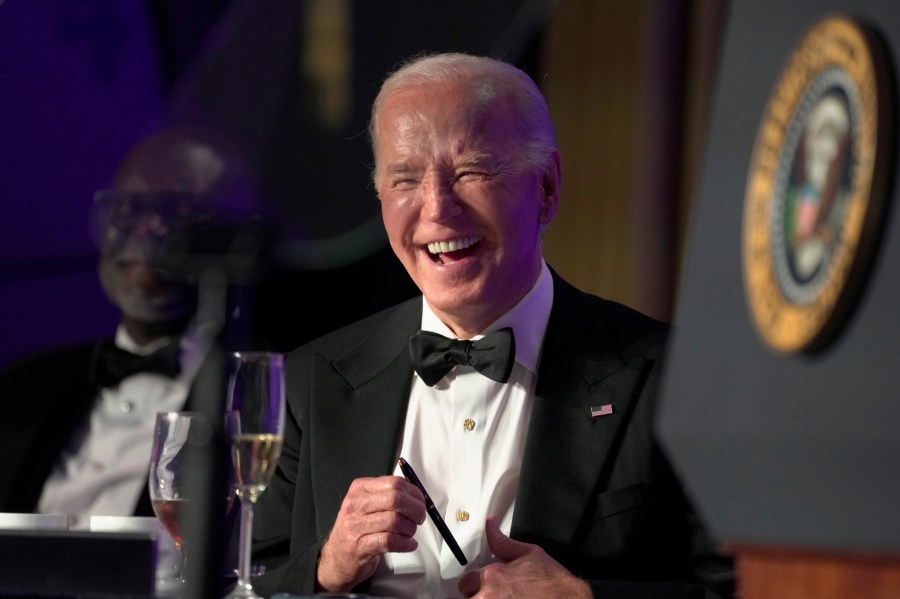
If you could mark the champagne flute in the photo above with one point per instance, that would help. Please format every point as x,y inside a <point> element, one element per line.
<point>168,474</point>
<point>255,422</point>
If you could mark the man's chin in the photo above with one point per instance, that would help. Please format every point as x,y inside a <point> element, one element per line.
<point>157,310</point>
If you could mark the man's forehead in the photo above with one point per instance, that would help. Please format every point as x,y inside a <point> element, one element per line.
<point>411,133</point>
<point>195,169</point>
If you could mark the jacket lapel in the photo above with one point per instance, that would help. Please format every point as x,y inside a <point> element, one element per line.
<point>567,450</point>
<point>359,404</point>
<point>50,409</point>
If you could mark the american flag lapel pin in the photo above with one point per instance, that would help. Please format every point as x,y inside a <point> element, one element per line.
<point>604,410</point>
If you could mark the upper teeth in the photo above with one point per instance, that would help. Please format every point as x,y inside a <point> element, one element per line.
<point>440,247</point>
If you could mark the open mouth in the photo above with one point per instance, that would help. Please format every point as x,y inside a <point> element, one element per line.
<point>444,252</point>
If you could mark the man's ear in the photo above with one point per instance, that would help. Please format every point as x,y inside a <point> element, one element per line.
<point>551,181</point>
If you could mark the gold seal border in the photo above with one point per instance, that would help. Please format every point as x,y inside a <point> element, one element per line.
<point>835,41</point>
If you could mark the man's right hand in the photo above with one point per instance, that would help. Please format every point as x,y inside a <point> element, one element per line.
<point>377,515</point>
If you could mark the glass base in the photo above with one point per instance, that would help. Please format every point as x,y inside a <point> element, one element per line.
<point>242,590</point>
<point>170,587</point>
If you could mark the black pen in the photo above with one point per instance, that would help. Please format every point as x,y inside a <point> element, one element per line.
<point>410,475</point>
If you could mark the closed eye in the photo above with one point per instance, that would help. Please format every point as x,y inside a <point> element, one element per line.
<point>476,167</point>
<point>403,181</point>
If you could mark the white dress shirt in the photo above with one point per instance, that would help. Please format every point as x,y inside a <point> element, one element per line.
<point>465,438</point>
<point>104,470</point>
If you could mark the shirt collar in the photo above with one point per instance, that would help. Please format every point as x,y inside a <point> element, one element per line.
<point>125,341</point>
<point>528,319</point>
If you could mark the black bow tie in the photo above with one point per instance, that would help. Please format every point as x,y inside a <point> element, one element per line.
<point>112,364</point>
<point>433,355</point>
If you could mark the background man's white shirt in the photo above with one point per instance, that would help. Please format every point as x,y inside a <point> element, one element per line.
<point>104,469</point>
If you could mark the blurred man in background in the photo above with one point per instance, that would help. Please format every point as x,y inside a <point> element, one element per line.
<point>77,422</point>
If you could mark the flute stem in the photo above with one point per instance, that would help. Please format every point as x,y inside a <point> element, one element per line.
<point>243,587</point>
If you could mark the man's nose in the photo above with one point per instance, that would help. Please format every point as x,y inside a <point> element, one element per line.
<point>441,202</point>
<point>149,224</point>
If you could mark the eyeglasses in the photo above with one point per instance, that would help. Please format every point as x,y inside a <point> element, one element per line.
<point>122,210</point>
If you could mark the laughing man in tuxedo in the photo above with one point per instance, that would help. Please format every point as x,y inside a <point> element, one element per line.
<point>545,467</point>
<point>77,422</point>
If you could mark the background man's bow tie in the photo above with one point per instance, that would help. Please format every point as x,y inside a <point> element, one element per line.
<point>433,355</point>
<point>112,364</point>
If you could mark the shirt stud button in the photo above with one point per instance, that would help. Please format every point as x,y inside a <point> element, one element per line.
<point>469,424</point>
<point>462,516</point>
<point>126,406</point>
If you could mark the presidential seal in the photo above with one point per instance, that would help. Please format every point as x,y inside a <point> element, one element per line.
<point>817,185</point>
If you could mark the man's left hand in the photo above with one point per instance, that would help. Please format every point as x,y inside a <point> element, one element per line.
<point>524,570</point>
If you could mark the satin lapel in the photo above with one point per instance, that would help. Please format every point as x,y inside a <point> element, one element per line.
<point>359,406</point>
<point>568,450</point>
<point>52,408</point>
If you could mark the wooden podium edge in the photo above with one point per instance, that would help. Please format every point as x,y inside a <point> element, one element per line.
<point>772,571</point>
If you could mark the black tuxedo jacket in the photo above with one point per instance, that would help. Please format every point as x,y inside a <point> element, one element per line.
<point>597,494</point>
<point>45,399</point>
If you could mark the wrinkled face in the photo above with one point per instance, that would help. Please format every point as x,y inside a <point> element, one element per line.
<point>462,213</point>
